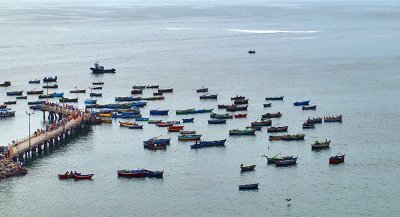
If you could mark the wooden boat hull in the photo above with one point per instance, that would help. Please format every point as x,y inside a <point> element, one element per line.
<point>248,187</point>
<point>274,98</point>
<point>138,174</point>
<point>277,129</point>
<point>242,132</point>
<point>217,121</point>
<point>336,159</point>
<point>314,107</point>
<point>247,168</point>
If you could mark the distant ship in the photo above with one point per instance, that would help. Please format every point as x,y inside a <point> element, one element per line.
<point>98,69</point>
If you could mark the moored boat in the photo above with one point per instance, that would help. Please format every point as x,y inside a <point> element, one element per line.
<point>78,176</point>
<point>34,92</point>
<point>337,159</point>
<point>320,145</point>
<point>22,97</point>
<point>261,123</point>
<point>138,87</point>
<point>267,105</point>
<point>36,81</point>
<point>36,102</point>
<point>202,90</point>
<point>223,106</point>
<point>221,116</point>
<point>275,138</point>
<point>209,96</point>
<point>14,93</point>
<point>307,125</point>
<point>154,174</point>
<point>277,129</point>
<point>154,121</point>
<point>247,168</point>
<point>234,108</point>
<point>90,101</point>
<point>248,187</point>
<point>187,120</point>
<point>237,97</point>
<point>293,137</point>
<point>78,91</point>
<point>164,124</point>
<point>158,94</point>
<point>35,107</point>
<point>251,51</point>
<point>217,121</point>
<point>58,95</point>
<point>301,103</point>
<point>167,90</point>
<point>158,112</point>
<point>152,86</point>
<point>54,86</point>
<point>96,94</point>
<point>187,132</point>
<point>272,115</point>
<point>96,88</point>
<point>98,83</point>
<point>127,99</point>
<point>154,146</point>
<point>5,84</point>
<point>50,79</point>
<point>317,120</point>
<point>189,137</point>
<point>66,175</point>
<point>277,157</point>
<point>68,100</point>
<point>310,107</point>
<point>6,114</point>
<point>131,173</point>
<point>241,101</point>
<point>10,103</point>
<point>240,115</point>
<point>337,118</point>
<point>142,119</point>
<point>274,98</point>
<point>175,128</point>
<point>98,69</point>
<point>45,96</point>
<point>237,132</point>
<point>137,91</point>
<point>286,162</point>
<point>206,144</point>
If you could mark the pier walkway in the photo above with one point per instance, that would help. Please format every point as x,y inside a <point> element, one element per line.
<point>73,120</point>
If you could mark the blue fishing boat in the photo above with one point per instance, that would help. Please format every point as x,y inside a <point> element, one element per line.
<point>248,186</point>
<point>141,119</point>
<point>189,137</point>
<point>301,103</point>
<point>159,112</point>
<point>126,115</point>
<point>217,121</point>
<point>139,104</point>
<point>199,111</point>
<point>187,120</point>
<point>60,95</point>
<point>88,101</point>
<point>205,144</point>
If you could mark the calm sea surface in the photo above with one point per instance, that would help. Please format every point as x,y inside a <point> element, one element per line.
<point>343,56</point>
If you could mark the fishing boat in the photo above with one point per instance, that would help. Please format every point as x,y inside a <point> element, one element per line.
<point>66,175</point>
<point>308,125</point>
<point>274,98</point>
<point>337,118</point>
<point>152,98</point>
<point>36,102</point>
<point>277,157</point>
<point>138,87</point>
<point>237,132</point>
<point>256,128</point>
<point>217,121</point>
<point>275,138</point>
<point>247,168</point>
<point>293,137</point>
<point>126,115</point>
<point>248,187</point>
<point>272,115</point>
<point>137,91</point>
<point>78,176</point>
<point>34,92</point>
<point>277,129</point>
<point>200,111</point>
<point>314,120</point>
<point>152,86</point>
<point>22,97</point>
<point>187,120</point>
<point>234,108</point>
<point>90,101</point>
<point>50,79</point>
<point>6,114</point>
<point>10,103</point>
<point>209,96</point>
<point>35,107</point>
<point>251,51</point>
<point>189,137</point>
<point>237,97</point>
<point>154,174</point>
<point>98,69</point>
<point>96,94</point>
<point>142,119</point>
<point>223,106</point>
<point>78,91</point>
<point>126,124</point>
<point>320,145</point>
<point>158,94</point>
<point>187,132</point>
<point>338,159</point>
<point>157,140</point>
<point>153,146</point>
<point>136,126</point>
<point>184,111</point>
<point>240,115</point>
<point>164,124</point>
<point>139,104</point>
<point>221,116</point>
<point>167,90</point>
<point>98,83</point>
<point>301,103</point>
<point>54,86</point>
<point>131,173</point>
<point>15,93</point>
<point>45,96</point>
<point>5,84</point>
<point>68,100</point>
<point>36,81</point>
<point>202,90</point>
<point>158,112</point>
<point>61,95</point>
<point>310,107</point>
<point>175,128</point>
<point>96,88</point>
<point>126,99</point>
<point>3,106</point>
<point>261,123</point>
<point>286,162</point>
<point>154,121</point>
<point>267,105</point>
<point>241,101</point>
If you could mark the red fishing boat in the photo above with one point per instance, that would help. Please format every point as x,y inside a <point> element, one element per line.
<point>338,159</point>
<point>164,124</point>
<point>132,173</point>
<point>175,128</point>
<point>66,175</point>
<point>240,116</point>
<point>78,176</point>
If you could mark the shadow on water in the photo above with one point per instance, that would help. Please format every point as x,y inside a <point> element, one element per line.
<point>58,147</point>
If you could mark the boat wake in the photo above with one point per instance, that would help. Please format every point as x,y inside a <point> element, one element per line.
<point>272,31</point>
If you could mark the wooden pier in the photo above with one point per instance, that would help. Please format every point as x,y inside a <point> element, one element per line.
<point>25,148</point>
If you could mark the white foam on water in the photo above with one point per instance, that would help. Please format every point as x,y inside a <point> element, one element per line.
<point>272,31</point>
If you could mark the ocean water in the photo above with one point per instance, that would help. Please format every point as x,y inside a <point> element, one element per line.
<point>343,56</point>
